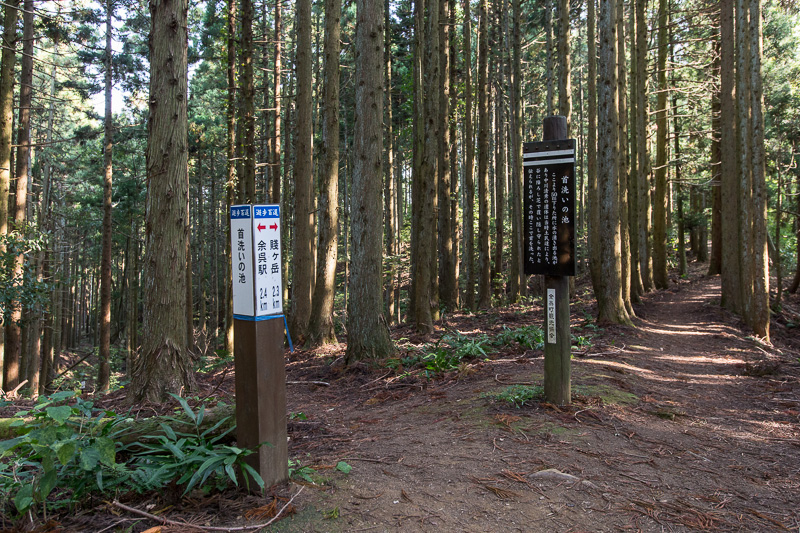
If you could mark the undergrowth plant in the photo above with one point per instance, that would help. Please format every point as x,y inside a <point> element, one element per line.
<point>63,453</point>
<point>191,458</point>
<point>448,353</point>
<point>69,447</point>
<point>530,337</point>
<point>518,395</point>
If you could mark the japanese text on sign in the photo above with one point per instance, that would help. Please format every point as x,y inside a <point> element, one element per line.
<point>256,260</point>
<point>549,207</point>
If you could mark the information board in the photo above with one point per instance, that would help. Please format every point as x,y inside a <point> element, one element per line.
<point>256,260</point>
<point>549,207</point>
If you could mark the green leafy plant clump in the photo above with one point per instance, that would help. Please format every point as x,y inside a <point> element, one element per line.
<point>530,337</point>
<point>448,353</point>
<point>193,458</point>
<point>63,453</point>
<point>518,395</point>
<point>69,447</point>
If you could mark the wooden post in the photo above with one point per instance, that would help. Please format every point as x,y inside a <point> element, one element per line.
<point>258,326</point>
<point>261,396</point>
<point>557,371</point>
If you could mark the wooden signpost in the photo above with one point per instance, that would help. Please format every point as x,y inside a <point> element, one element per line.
<point>549,211</point>
<point>258,326</point>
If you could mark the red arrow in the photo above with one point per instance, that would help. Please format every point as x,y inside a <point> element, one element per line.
<point>260,227</point>
<point>274,226</point>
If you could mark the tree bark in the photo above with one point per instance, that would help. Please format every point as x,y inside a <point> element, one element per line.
<point>517,279</point>
<point>660,277</point>
<point>624,178</point>
<point>390,183</point>
<point>761,311</point>
<point>14,342</point>
<point>448,286</point>
<point>484,267</point>
<point>610,304</point>
<point>165,364</point>
<point>6,134</point>
<point>729,185</point>
<point>320,329</point>
<point>591,156</point>
<point>644,170</point>
<point>368,335</point>
<point>564,71</point>
<point>104,372</point>
<point>637,288</point>
<point>247,181</point>
<point>425,191</point>
<point>469,166</point>
<point>500,168</point>
<point>275,139</point>
<point>231,179</point>
<point>715,262</point>
<point>303,246</point>
<point>549,70</point>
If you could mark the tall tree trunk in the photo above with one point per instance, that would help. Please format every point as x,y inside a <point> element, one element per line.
<point>796,281</point>
<point>517,282</point>
<point>549,6</point>
<point>715,263</point>
<point>14,344</point>
<point>729,185</point>
<point>231,185</point>
<point>637,288</point>
<point>484,267</point>
<point>500,172</point>
<point>761,311</point>
<point>368,335</point>
<point>247,181</point>
<point>303,247</point>
<point>448,286</point>
<point>660,276</point>
<point>744,152</point>
<point>517,278</point>
<point>591,157</point>
<point>452,121</point>
<point>610,303</point>
<point>104,372</point>
<point>165,364</point>
<point>469,166</point>
<point>433,133</point>
<point>133,299</point>
<point>320,329</point>
<point>275,138</point>
<point>426,190</point>
<point>40,375</point>
<point>6,134</point>
<point>564,71</point>
<point>624,178</point>
<point>643,166</point>
<point>676,128</point>
<point>390,211</point>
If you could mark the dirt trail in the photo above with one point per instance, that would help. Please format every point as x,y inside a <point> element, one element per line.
<point>680,424</point>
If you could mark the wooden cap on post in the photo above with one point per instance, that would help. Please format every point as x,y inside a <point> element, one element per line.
<point>554,128</point>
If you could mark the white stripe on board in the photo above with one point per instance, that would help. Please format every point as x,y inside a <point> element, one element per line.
<point>531,155</point>
<point>542,162</point>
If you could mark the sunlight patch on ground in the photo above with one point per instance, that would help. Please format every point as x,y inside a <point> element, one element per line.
<point>693,330</point>
<point>700,379</point>
<point>702,359</point>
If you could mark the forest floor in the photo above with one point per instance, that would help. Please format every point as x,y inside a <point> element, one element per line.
<point>681,423</point>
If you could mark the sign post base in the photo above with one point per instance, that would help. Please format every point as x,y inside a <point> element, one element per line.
<point>557,346</point>
<point>261,396</point>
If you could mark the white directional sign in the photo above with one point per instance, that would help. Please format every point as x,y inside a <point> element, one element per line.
<point>256,260</point>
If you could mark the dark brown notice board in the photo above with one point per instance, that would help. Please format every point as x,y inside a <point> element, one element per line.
<point>549,207</point>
